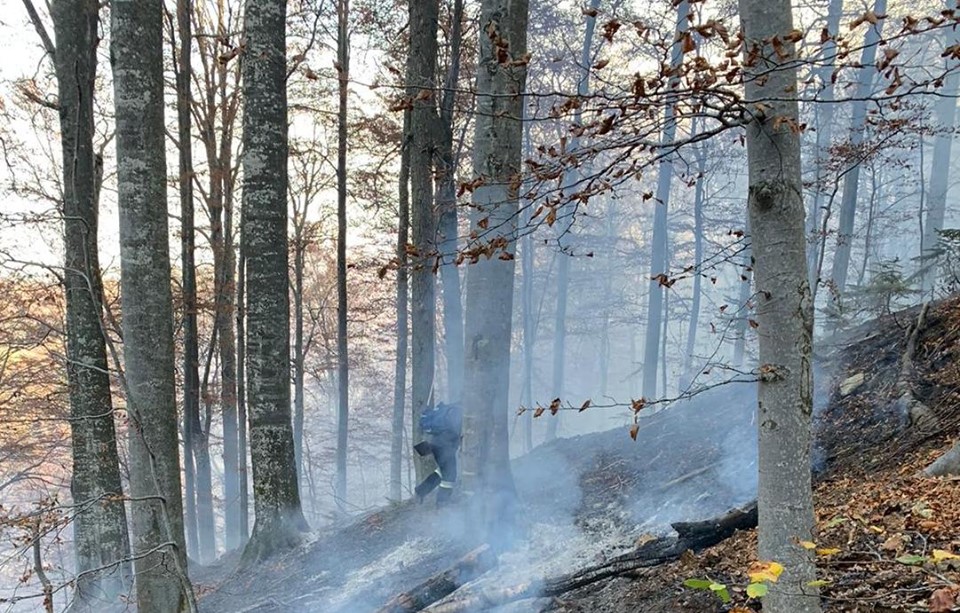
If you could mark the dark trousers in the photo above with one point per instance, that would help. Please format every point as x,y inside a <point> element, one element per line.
<point>444,451</point>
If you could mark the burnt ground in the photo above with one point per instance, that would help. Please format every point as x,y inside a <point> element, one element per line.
<point>587,498</point>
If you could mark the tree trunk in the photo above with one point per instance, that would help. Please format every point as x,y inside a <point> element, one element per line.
<point>447,207</point>
<point>343,362</point>
<point>299,248</point>
<point>279,518</point>
<point>526,300</point>
<point>564,229</point>
<point>658,258</point>
<point>824,117</point>
<point>244,502</point>
<point>497,146</point>
<point>191,351</point>
<point>228,371</point>
<point>688,370</point>
<point>784,311</point>
<point>158,541</point>
<point>945,110</point>
<point>858,124</point>
<point>100,526</point>
<point>424,123</point>
<point>400,376</point>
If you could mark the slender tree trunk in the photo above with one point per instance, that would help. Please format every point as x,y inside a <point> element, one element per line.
<point>343,362</point>
<point>424,124</point>
<point>526,300</point>
<point>658,259</point>
<point>447,207</point>
<point>299,247</point>
<point>824,114</point>
<point>400,376</point>
<point>244,502</point>
<point>564,229</point>
<point>784,311</point>
<point>688,370</point>
<point>100,526</point>
<point>497,147</point>
<point>279,518</point>
<point>858,124</point>
<point>945,111</point>
<point>228,373</point>
<point>743,299</point>
<point>158,542</point>
<point>876,193</point>
<point>191,352</point>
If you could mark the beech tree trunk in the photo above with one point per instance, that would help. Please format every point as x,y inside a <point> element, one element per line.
<point>424,139</point>
<point>343,361</point>
<point>279,518</point>
<point>858,124</point>
<point>564,227</point>
<point>945,112</point>
<point>489,313</point>
<point>400,376</point>
<point>244,502</point>
<point>784,311</point>
<point>688,369</point>
<point>658,249</point>
<point>100,525</point>
<point>447,207</point>
<point>158,542</point>
<point>191,351</point>
<point>824,115</point>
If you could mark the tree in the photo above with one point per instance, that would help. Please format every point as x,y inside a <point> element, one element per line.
<point>424,123</point>
<point>945,113</point>
<point>858,125</point>
<point>343,359</point>
<point>191,352</point>
<point>658,247</point>
<point>100,528</point>
<point>279,518</point>
<point>784,310</point>
<point>158,544</point>
<point>447,208</point>
<point>400,372</point>
<point>501,80</point>
<point>565,227</point>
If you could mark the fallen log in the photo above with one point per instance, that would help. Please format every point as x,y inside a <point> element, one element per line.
<point>466,569</point>
<point>695,536</point>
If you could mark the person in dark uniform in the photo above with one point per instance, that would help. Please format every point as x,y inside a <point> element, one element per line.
<point>442,426</point>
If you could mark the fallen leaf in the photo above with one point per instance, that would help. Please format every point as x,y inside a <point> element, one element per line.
<point>943,600</point>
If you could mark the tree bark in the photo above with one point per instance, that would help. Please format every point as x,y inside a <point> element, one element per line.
<point>858,123</point>
<point>658,259</point>
<point>244,497</point>
<point>424,139</point>
<point>100,526</point>
<point>447,207</point>
<point>400,376</point>
<point>191,351</point>
<point>688,370</point>
<point>343,362</point>
<point>158,542</point>
<point>279,518</point>
<point>497,147</point>
<point>784,312</point>
<point>565,227</point>
<point>946,112</point>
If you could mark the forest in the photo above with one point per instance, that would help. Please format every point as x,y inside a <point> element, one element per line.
<point>353,306</point>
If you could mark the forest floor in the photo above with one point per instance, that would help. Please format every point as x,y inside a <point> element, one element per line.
<point>886,536</point>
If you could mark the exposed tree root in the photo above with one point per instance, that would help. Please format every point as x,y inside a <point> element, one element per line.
<point>920,416</point>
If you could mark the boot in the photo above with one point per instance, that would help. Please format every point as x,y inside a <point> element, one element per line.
<point>426,486</point>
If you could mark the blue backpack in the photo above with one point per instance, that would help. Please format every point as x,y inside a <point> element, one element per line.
<point>444,418</point>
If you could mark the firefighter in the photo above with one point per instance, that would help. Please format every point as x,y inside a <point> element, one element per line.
<point>442,426</point>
